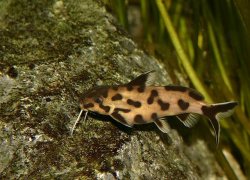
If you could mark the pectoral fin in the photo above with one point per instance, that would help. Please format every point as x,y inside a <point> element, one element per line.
<point>121,119</point>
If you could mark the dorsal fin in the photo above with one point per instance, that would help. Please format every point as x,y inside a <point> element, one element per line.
<point>162,124</point>
<point>188,119</point>
<point>145,79</point>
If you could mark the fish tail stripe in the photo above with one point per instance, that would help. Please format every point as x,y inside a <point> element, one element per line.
<point>215,112</point>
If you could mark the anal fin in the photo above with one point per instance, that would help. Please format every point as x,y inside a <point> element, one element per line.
<point>188,119</point>
<point>162,125</point>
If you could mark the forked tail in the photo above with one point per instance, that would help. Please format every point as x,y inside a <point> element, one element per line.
<point>215,112</point>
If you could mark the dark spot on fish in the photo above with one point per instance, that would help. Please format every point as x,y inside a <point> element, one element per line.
<point>141,89</point>
<point>122,110</point>
<point>154,116</point>
<point>183,104</point>
<point>115,88</point>
<point>175,88</point>
<point>116,97</point>
<point>105,93</point>
<point>129,87</point>
<point>134,103</point>
<point>98,99</point>
<point>213,110</point>
<point>164,105</point>
<point>119,117</point>
<point>195,95</point>
<point>105,108</point>
<point>89,105</point>
<point>96,92</point>
<point>139,119</point>
<point>153,94</point>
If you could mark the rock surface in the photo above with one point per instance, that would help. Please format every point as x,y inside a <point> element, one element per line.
<point>50,53</point>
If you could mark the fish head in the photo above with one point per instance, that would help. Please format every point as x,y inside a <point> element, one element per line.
<point>94,99</point>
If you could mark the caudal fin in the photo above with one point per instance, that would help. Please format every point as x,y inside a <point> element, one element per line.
<point>215,112</point>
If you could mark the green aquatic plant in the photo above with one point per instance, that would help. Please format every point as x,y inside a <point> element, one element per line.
<point>211,43</point>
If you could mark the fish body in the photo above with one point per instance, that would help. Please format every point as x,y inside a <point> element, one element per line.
<point>161,101</point>
<point>139,102</point>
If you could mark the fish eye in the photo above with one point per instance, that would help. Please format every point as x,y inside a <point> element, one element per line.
<point>98,100</point>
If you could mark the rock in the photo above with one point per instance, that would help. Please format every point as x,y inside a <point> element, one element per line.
<point>50,53</point>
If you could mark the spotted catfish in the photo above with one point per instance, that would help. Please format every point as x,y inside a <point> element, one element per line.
<point>138,102</point>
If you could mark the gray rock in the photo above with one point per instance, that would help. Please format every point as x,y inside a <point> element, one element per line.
<point>50,53</point>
